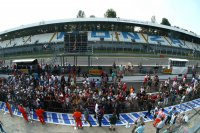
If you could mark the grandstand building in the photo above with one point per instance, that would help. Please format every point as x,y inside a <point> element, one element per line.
<point>98,35</point>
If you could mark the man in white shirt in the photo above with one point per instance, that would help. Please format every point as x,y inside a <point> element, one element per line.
<point>189,89</point>
<point>160,125</point>
<point>96,109</point>
<point>185,118</point>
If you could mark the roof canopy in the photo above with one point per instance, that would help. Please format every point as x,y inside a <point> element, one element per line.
<point>24,61</point>
<point>177,59</point>
<point>112,20</point>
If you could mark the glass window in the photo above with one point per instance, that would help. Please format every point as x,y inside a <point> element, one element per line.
<point>178,63</point>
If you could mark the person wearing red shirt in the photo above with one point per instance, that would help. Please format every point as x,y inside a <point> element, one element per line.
<point>156,121</point>
<point>23,111</point>
<point>9,108</point>
<point>77,116</point>
<point>124,87</point>
<point>39,112</point>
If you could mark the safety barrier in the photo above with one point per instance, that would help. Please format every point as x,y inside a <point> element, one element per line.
<point>125,118</point>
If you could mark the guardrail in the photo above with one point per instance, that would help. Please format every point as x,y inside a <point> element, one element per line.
<point>125,118</point>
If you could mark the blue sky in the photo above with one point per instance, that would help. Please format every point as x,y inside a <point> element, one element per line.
<point>182,13</point>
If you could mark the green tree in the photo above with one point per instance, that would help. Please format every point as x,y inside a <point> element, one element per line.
<point>81,14</point>
<point>110,13</point>
<point>165,22</point>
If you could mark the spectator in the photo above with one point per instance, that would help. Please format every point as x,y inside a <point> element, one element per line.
<point>114,65</point>
<point>113,77</point>
<point>161,113</point>
<point>50,92</point>
<point>138,123</point>
<point>86,115</point>
<point>149,107</point>
<point>96,109</point>
<point>169,115</point>
<point>184,118</point>
<point>23,111</point>
<point>160,125</point>
<point>100,114</point>
<point>140,129</point>
<point>173,120</point>
<point>113,121</point>
<point>9,108</point>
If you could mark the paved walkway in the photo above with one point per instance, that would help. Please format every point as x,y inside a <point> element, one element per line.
<point>18,125</point>
<point>193,125</point>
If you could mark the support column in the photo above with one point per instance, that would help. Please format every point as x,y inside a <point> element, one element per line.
<point>10,62</point>
<point>91,61</point>
<point>63,58</point>
<point>74,60</point>
<point>61,63</point>
<point>41,61</point>
<point>88,60</point>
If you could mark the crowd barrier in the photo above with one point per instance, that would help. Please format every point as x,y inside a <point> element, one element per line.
<point>125,118</point>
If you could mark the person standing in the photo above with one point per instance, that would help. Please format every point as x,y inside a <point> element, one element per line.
<point>77,116</point>
<point>113,75</point>
<point>140,129</point>
<point>160,125</point>
<point>173,120</point>
<point>86,115</point>
<point>23,111</point>
<point>2,130</point>
<point>184,118</point>
<point>113,121</point>
<point>39,112</point>
<point>9,108</point>
<point>149,107</point>
<point>96,108</point>
<point>117,108</point>
<point>100,114</point>
<point>169,115</point>
<point>138,123</point>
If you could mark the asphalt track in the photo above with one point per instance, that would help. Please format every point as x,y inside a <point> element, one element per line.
<point>108,61</point>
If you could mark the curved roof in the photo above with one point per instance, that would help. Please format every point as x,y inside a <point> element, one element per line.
<point>177,59</point>
<point>114,20</point>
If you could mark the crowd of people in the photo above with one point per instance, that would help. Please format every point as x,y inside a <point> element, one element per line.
<point>52,91</point>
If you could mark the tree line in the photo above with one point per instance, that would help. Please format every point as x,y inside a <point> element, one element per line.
<point>110,13</point>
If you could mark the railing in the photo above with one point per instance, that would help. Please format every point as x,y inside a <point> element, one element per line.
<point>135,70</point>
<point>55,106</point>
<point>101,48</point>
